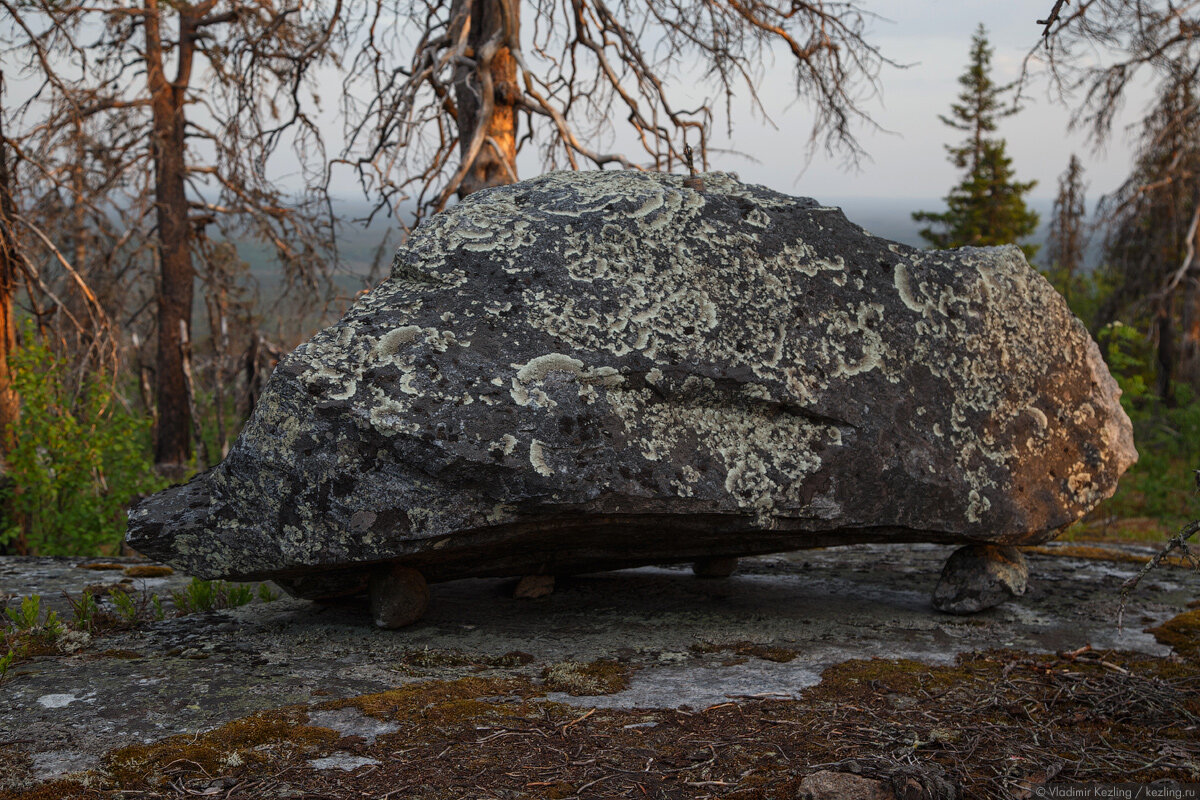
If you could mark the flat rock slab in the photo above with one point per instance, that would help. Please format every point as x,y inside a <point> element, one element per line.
<point>826,606</point>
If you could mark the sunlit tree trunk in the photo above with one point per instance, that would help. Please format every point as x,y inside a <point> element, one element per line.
<point>495,163</point>
<point>172,445</point>
<point>10,402</point>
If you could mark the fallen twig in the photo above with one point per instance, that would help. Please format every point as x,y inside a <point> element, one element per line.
<point>1176,542</point>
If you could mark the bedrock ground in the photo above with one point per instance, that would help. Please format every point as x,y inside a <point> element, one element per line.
<point>678,644</point>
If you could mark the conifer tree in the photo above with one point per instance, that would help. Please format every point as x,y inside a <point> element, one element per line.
<point>1153,220</point>
<point>1067,238</point>
<point>987,207</point>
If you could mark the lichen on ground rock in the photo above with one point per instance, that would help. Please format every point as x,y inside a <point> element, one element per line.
<point>588,370</point>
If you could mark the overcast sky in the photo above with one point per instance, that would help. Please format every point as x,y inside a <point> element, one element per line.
<point>934,37</point>
<point>908,161</point>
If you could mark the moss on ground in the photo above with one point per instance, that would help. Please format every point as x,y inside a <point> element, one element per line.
<point>417,699</point>
<point>586,679</point>
<point>147,571</point>
<point>780,655</point>
<point>239,743</point>
<point>437,658</point>
<point>1182,633</point>
<point>994,725</point>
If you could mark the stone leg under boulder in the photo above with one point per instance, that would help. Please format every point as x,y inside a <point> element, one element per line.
<point>980,576</point>
<point>399,596</point>
<point>531,587</point>
<point>718,567</point>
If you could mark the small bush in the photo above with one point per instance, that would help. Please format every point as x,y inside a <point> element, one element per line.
<point>6,661</point>
<point>1161,484</point>
<point>78,460</point>
<point>211,595</point>
<point>126,608</point>
<point>25,618</point>
<point>85,609</point>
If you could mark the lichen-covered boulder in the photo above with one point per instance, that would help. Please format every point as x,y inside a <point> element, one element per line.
<point>595,370</point>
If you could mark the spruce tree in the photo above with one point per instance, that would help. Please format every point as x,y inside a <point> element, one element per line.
<point>987,207</point>
<point>1067,239</point>
<point>1151,246</point>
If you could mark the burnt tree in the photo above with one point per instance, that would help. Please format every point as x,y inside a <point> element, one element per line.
<point>586,84</point>
<point>117,86</point>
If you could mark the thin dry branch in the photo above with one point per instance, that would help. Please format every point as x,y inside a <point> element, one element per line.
<point>584,71</point>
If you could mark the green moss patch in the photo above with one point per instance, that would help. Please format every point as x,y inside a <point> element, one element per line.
<point>1181,633</point>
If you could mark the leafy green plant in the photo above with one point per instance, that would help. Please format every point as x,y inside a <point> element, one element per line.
<point>1161,485</point>
<point>25,618</point>
<point>84,609</point>
<point>266,594</point>
<point>1127,351</point>
<point>6,662</point>
<point>238,595</point>
<point>30,632</point>
<point>79,459</point>
<point>126,608</point>
<point>201,595</point>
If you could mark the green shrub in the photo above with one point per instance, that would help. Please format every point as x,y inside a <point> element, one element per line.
<point>126,608</point>
<point>6,661</point>
<point>79,459</point>
<point>1161,484</point>
<point>201,595</point>
<point>26,618</point>
<point>84,609</point>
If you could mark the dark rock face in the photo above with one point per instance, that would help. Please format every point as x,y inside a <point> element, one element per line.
<point>594,370</point>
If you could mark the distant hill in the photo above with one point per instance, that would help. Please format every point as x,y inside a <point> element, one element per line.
<point>359,246</point>
<point>891,217</point>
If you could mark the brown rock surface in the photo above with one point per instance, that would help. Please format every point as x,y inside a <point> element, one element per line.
<point>827,785</point>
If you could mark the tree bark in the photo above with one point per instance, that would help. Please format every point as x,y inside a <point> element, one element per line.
<point>496,162</point>
<point>10,402</point>
<point>1189,350</point>
<point>172,443</point>
<point>1164,378</point>
<point>10,406</point>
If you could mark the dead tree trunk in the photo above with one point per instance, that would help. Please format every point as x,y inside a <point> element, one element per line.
<point>1166,356</point>
<point>487,95</point>
<point>1189,355</point>
<point>10,402</point>
<point>172,444</point>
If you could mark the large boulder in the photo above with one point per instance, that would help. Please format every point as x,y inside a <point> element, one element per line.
<point>595,370</point>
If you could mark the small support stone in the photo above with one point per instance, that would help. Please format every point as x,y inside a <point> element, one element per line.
<point>980,576</point>
<point>717,567</point>
<point>532,587</point>
<point>399,596</point>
